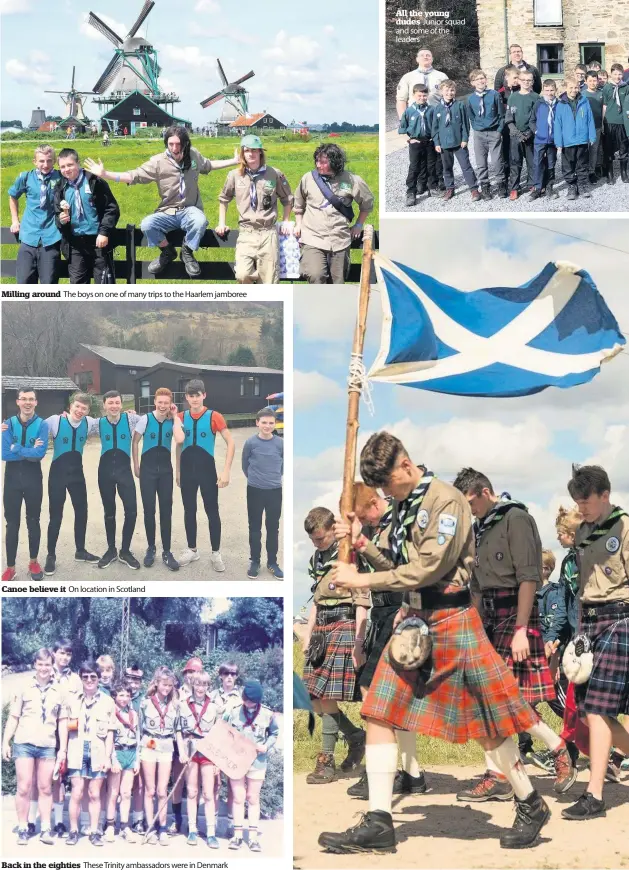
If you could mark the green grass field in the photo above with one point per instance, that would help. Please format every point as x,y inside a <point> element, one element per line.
<point>294,158</point>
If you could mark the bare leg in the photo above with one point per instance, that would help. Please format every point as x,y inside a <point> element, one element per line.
<point>239,792</point>
<point>207,773</point>
<point>192,788</point>
<point>74,807</point>
<point>126,786</point>
<point>163,775</point>
<point>253,802</point>
<point>25,774</point>
<point>44,768</point>
<point>600,746</point>
<point>93,790</point>
<point>149,773</point>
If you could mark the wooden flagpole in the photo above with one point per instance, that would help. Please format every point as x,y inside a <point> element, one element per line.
<point>351,435</point>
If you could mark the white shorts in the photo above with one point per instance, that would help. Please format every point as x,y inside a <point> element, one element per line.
<point>155,755</point>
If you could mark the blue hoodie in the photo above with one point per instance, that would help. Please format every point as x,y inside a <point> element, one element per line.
<point>574,128</point>
<point>544,135</point>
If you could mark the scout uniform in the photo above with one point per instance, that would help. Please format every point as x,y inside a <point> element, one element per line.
<point>38,710</point>
<point>451,127</point>
<point>262,730</point>
<point>40,240</point>
<point>519,113</point>
<point>169,178</point>
<point>195,720</point>
<point>158,724</point>
<point>325,232</point>
<point>68,680</point>
<point>95,718</point>
<point>432,79</point>
<point>225,701</point>
<point>616,138</point>
<point>126,737</point>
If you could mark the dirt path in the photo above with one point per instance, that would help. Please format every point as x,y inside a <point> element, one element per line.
<point>434,830</point>
<point>235,533</point>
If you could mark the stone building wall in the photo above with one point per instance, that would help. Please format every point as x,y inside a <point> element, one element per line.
<point>605,21</point>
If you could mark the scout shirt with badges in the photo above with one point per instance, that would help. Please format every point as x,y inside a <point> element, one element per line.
<point>95,718</point>
<point>195,719</point>
<point>431,78</point>
<point>127,728</point>
<point>69,681</point>
<point>508,552</point>
<point>603,559</point>
<point>320,565</point>
<point>158,723</point>
<point>323,226</point>
<point>170,179</point>
<point>262,730</point>
<point>270,185</point>
<point>226,701</point>
<point>37,224</point>
<point>38,710</point>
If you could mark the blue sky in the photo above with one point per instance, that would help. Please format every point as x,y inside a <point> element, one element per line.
<point>313,62</point>
<point>525,445</point>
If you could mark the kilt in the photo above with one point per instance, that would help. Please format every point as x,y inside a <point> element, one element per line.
<point>533,675</point>
<point>607,691</point>
<point>465,692</point>
<point>335,679</point>
<point>381,629</point>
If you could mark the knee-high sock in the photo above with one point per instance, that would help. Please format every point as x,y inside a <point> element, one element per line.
<point>506,757</point>
<point>381,763</point>
<point>546,734</point>
<point>345,725</point>
<point>330,729</point>
<point>253,814</point>
<point>407,741</point>
<point>491,765</point>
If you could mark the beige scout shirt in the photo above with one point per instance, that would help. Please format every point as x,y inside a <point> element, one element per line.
<point>68,680</point>
<point>604,565</point>
<point>38,711</point>
<point>323,226</point>
<point>166,175</point>
<point>326,597</point>
<point>432,80</point>
<point>441,549</point>
<point>186,721</point>
<point>95,720</point>
<point>273,183</point>
<point>509,553</point>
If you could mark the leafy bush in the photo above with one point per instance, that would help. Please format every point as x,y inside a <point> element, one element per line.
<point>9,782</point>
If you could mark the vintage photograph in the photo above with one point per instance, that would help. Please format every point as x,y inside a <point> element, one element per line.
<point>160,423</point>
<point>461,553</point>
<point>140,723</point>
<point>506,107</point>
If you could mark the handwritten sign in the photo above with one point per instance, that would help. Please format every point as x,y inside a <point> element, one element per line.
<point>228,749</point>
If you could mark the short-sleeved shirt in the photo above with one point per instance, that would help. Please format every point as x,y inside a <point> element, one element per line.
<point>271,186</point>
<point>53,424</point>
<point>166,174</point>
<point>323,226</point>
<point>509,553</point>
<point>126,728</point>
<point>162,729</point>
<point>187,722</point>
<point>38,222</point>
<point>604,564</point>
<point>431,79</point>
<point>264,730</point>
<point>68,680</point>
<point>95,719</point>
<point>226,700</point>
<point>38,710</point>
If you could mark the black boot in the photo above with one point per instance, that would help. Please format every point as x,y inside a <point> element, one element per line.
<point>410,198</point>
<point>360,789</point>
<point>404,783</point>
<point>535,194</point>
<point>374,833</point>
<point>531,814</point>
<point>572,191</point>
<point>166,257</point>
<point>551,193</point>
<point>325,770</point>
<point>191,266</point>
<point>623,171</point>
<point>486,191</point>
<point>610,173</point>
<point>356,751</point>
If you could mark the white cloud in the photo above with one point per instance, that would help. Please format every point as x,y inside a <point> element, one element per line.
<point>31,74</point>
<point>207,6</point>
<point>188,56</point>
<point>352,73</point>
<point>223,31</point>
<point>296,51</point>
<point>11,7</point>
<point>329,29</point>
<point>313,388</point>
<point>117,26</point>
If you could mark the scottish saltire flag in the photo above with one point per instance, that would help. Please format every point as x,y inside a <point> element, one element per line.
<point>553,331</point>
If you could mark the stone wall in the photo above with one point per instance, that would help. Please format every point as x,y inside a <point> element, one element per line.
<point>604,21</point>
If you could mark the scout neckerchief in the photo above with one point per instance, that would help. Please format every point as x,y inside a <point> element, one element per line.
<point>44,181</point>
<point>422,120</point>
<point>250,715</point>
<point>88,704</point>
<point>407,510</point>
<point>253,190</point>
<point>128,723</point>
<point>600,531</point>
<point>481,100</point>
<point>425,73</point>
<point>551,115</point>
<point>493,517</point>
<point>161,713</point>
<point>448,108</point>
<point>197,719</point>
<point>317,568</point>
<point>62,674</point>
<point>179,167</point>
<point>617,94</point>
<point>76,186</point>
<point>43,691</point>
<point>570,570</point>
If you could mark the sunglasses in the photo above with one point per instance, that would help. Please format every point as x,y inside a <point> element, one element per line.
<point>89,676</point>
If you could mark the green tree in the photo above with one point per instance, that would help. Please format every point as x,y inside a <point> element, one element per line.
<point>252,624</point>
<point>243,356</point>
<point>185,350</point>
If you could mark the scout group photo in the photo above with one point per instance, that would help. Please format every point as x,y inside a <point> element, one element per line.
<point>182,156</point>
<point>160,423</point>
<point>139,723</point>
<point>461,560</point>
<point>511,107</point>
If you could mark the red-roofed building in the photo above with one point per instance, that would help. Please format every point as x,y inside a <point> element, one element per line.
<point>48,127</point>
<point>258,121</point>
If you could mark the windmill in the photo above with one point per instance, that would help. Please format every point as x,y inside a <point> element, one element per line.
<point>236,97</point>
<point>74,103</point>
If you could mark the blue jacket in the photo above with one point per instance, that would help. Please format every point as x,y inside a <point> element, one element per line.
<point>551,602</point>
<point>457,131</point>
<point>539,123</point>
<point>571,129</point>
<point>493,117</point>
<point>410,122</point>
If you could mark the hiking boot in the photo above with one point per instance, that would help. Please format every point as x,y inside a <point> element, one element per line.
<point>325,770</point>
<point>356,751</point>
<point>110,556</point>
<point>531,814</point>
<point>8,575</point>
<point>169,560</point>
<point>373,833</point>
<point>490,788</point>
<point>475,194</point>
<point>191,266</point>
<point>404,783</point>
<point>535,194</point>
<point>587,807</point>
<point>502,190</point>
<point>565,772</point>
<point>149,559</point>
<point>188,556</point>
<point>360,789</point>
<point>410,199</point>
<point>572,192</point>
<point>166,256</point>
<point>274,569</point>
<point>447,194</point>
<point>35,570</point>
<point>127,558</point>
<point>50,566</point>
<point>216,561</point>
<point>486,191</point>
<point>253,570</point>
<point>513,195</point>
<point>47,838</point>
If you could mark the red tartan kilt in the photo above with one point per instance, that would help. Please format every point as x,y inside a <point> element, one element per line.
<point>533,675</point>
<point>465,693</point>
<point>335,679</point>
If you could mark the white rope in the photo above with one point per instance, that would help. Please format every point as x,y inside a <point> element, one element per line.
<point>358,382</point>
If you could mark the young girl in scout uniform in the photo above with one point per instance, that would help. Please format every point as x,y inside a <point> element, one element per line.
<point>197,714</point>
<point>257,722</point>
<point>125,763</point>
<point>158,722</point>
<point>36,711</point>
<point>257,188</point>
<point>193,666</point>
<point>333,645</point>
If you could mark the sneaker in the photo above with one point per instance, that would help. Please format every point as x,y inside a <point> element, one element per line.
<point>486,191</point>
<point>169,560</point>
<point>31,829</point>
<point>8,575</point>
<point>565,772</point>
<point>356,751</point>
<point>502,191</point>
<point>84,556</point>
<point>490,788</point>
<point>586,193</point>
<point>531,814</point>
<point>128,559</point>
<point>587,807</point>
<point>110,834</point>
<point>50,565</point>
<point>253,570</point>
<point>216,561</point>
<point>22,837</point>
<point>410,200</point>
<point>35,570</point>
<point>526,756</point>
<point>164,839</point>
<point>373,833</point>
<point>614,767</point>
<point>191,266</point>
<point>151,839</point>
<point>275,570</point>
<point>544,760</point>
<point>513,195</point>
<point>325,770</point>
<point>128,835</point>
<point>73,838</point>
<point>149,559</point>
<point>624,765</point>
<point>229,831</point>
<point>188,556</point>
<point>235,843</point>
<point>110,556</point>
<point>59,830</point>
<point>254,845</point>
<point>404,783</point>
<point>47,838</point>
<point>96,838</point>
<point>572,192</point>
<point>166,256</point>
<point>213,843</point>
<point>193,838</point>
<point>174,828</point>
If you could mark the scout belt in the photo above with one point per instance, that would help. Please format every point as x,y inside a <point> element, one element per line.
<point>410,645</point>
<point>578,659</point>
<point>490,603</point>
<point>386,599</point>
<point>433,599</point>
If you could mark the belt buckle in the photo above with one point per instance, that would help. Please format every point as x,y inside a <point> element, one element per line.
<point>489,604</point>
<point>415,600</point>
<point>591,611</point>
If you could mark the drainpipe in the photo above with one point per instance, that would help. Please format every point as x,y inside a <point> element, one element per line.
<point>506,18</point>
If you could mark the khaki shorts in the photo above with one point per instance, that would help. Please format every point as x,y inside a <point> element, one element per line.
<point>258,253</point>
